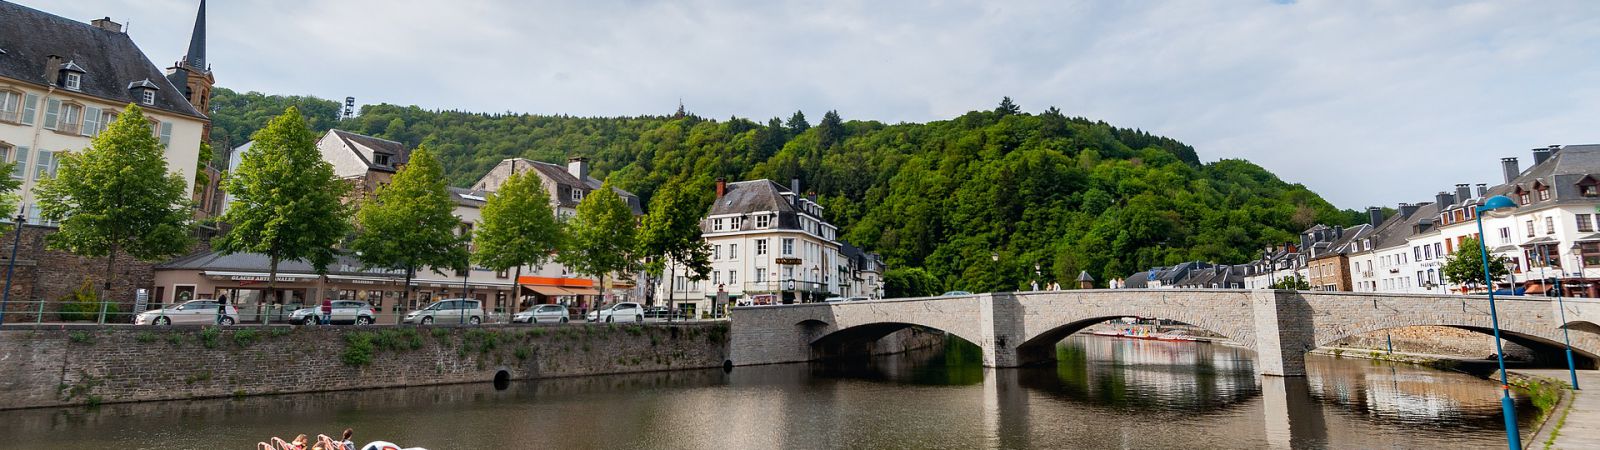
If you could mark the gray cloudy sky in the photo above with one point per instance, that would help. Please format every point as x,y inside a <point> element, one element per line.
<point>1364,102</point>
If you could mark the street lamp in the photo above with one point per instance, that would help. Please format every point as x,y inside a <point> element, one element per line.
<point>1498,204</point>
<point>1572,369</point>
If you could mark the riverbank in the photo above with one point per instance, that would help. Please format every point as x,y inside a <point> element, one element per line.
<point>89,366</point>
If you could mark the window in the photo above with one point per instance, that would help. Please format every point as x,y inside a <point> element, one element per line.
<point>1591,253</point>
<point>1522,198</point>
<point>381,159</point>
<point>716,277</point>
<point>147,96</point>
<point>733,251</point>
<point>45,165</point>
<point>577,195</point>
<point>735,223</point>
<point>1530,227</point>
<point>788,272</point>
<point>10,106</point>
<point>716,224</point>
<point>1505,235</point>
<point>716,252</point>
<point>1438,250</point>
<point>502,274</point>
<point>1417,251</point>
<point>761,247</point>
<point>30,108</point>
<point>91,121</point>
<point>1589,189</point>
<point>788,246</point>
<point>679,283</point>
<point>1544,194</point>
<point>165,134</point>
<point>71,119</point>
<point>1549,225</point>
<point>1585,223</point>
<point>74,81</point>
<point>1427,252</point>
<point>763,221</point>
<point>733,276</point>
<point>21,159</point>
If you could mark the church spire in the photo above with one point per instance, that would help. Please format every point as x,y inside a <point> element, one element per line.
<point>197,42</point>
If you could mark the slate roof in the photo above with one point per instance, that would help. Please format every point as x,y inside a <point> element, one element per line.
<point>1561,172</point>
<point>559,175</point>
<point>468,197</point>
<point>110,60</point>
<point>755,196</point>
<point>1139,280</point>
<point>366,146</point>
<point>257,262</point>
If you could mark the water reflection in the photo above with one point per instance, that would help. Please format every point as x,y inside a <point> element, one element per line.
<point>1102,393</point>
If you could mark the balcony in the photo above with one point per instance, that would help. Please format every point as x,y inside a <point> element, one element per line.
<point>11,116</point>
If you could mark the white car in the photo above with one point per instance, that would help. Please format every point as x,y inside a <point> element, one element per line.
<point>542,314</point>
<point>449,311</point>
<point>344,312</point>
<point>624,311</point>
<point>202,312</point>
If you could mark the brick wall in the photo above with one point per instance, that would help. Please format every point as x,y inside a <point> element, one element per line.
<point>53,367</point>
<point>49,275</point>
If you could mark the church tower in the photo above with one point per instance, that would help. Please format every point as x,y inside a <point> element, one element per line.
<point>193,74</point>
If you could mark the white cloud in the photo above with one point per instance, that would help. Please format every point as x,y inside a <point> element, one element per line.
<point>1365,102</point>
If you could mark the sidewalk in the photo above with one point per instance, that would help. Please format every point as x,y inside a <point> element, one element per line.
<point>1582,426</point>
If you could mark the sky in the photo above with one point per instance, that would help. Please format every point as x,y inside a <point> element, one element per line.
<point>1366,103</point>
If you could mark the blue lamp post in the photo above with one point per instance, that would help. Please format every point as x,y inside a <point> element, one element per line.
<point>1544,254</point>
<point>1498,203</point>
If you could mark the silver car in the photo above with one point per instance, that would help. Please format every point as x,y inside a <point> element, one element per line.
<point>454,310</point>
<point>620,312</point>
<point>542,314</point>
<point>344,312</point>
<point>191,312</point>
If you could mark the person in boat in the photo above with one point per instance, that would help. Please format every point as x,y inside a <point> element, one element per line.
<point>346,442</point>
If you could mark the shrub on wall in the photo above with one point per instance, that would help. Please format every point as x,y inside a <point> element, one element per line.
<point>83,304</point>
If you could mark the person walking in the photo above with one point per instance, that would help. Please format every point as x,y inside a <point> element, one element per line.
<point>327,310</point>
<point>222,308</point>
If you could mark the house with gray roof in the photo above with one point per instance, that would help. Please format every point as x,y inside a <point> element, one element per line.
<point>567,185</point>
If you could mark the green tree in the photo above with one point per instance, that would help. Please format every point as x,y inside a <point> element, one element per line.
<point>288,203</point>
<point>519,228</point>
<point>1292,282</point>
<point>411,223</point>
<point>8,189</point>
<point>671,234</point>
<point>797,123</point>
<point>601,237</point>
<point>1007,108</point>
<point>1465,266</point>
<point>830,131</point>
<point>117,197</point>
<point>909,282</point>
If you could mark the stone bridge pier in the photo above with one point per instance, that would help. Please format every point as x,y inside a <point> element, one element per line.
<point>1017,329</point>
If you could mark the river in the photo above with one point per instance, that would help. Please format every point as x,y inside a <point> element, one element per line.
<point>1103,393</point>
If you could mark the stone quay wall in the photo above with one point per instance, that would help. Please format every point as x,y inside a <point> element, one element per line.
<point>1443,341</point>
<point>92,365</point>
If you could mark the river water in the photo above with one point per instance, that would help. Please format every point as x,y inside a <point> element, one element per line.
<point>1103,393</point>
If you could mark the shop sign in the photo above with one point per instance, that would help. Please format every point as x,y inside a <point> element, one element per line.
<point>789,261</point>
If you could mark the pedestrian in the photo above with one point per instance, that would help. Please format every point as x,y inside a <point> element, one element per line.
<point>327,310</point>
<point>222,308</point>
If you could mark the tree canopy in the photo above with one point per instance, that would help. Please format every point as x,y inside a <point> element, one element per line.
<point>411,223</point>
<point>602,237</point>
<point>1465,266</point>
<point>1066,193</point>
<point>519,228</point>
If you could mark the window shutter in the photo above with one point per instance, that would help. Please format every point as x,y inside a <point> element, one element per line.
<point>91,121</point>
<point>42,164</point>
<point>29,108</point>
<point>22,163</point>
<point>166,134</point>
<point>52,109</point>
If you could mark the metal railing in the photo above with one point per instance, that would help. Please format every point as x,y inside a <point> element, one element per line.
<point>121,313</point>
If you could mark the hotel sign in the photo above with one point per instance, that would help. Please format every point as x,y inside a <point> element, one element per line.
<point>789,261</point>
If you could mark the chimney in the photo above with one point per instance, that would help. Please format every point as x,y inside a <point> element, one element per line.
<point>794,190</point>
<point>1444,199</point>
<point>107,24</point>
<point>1374,216</point>
<point>1540,155</point>
<point>1338,232</point>
<point>1483,190</point>
<point>1508,166</point>
<point>1407,209</point>
<point>52,68</point>
<point>1463,192</point>
<point>1554,149</point>
<point>578,166</point>
<point>722,186</point>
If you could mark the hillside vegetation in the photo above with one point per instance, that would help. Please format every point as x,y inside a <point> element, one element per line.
<point>978,200</point>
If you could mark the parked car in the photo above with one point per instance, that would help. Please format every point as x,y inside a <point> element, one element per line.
<point>344,312</point>
<point>542,314</point>
<point>619,312</point>
<point>955,294</point>
<point>191,312</point>
<point>454,310</point>
<point>835,299</point>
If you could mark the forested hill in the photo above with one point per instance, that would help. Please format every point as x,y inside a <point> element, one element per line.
<point>1065,193</point>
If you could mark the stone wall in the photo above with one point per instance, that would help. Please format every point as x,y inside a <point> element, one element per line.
<point>1443,341</point>
<point>48,275</point>
<point>55,367</point>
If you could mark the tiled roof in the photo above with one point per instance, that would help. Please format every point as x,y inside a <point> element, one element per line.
<point>366,146</point>
<point>109,60</point>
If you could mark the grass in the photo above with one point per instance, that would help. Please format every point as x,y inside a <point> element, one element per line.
<point>145,337</point>
<point>81,337</point>
<point>208,337</point>
<point>1556,432</point>
<point>245,337</point>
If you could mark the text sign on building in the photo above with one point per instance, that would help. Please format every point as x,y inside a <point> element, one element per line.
<point>789,261</point>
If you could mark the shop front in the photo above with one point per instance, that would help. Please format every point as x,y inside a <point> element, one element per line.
<point>574,293</point>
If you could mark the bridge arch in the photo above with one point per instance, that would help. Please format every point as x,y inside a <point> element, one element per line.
<point>1543,339</point>
<point>865,339</point>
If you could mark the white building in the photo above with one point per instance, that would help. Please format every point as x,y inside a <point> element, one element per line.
<point>769,244</point>
<point>64,81</point>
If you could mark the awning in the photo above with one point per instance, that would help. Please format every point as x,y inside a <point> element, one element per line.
<point>1590,238</point>
<point>1535,288</point>
<point>1540,241</point>
<point>581,290</point>
<point>549,291</point>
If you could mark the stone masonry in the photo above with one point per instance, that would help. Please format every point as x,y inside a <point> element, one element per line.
<point>48,275</point>
<point>1021,328</point>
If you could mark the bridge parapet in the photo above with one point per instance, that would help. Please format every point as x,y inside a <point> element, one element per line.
<point>1016,329</point>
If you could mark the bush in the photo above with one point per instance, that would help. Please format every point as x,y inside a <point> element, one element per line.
<point>245,337</point>
<point>84,304</point>
<point>208,336</point>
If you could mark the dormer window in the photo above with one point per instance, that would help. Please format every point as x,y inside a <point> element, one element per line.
<point>1588,187</point>
<point>381,159</point>
<point>73,81</point>
<point>1544,192</point>
<point>144,91</point>
<point>148,97</point>
<point>577,195</point>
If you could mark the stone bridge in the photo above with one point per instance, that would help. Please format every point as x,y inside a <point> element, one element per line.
<point>1015,329</point>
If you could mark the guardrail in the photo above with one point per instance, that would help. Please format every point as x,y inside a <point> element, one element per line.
<point>113,313</point>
